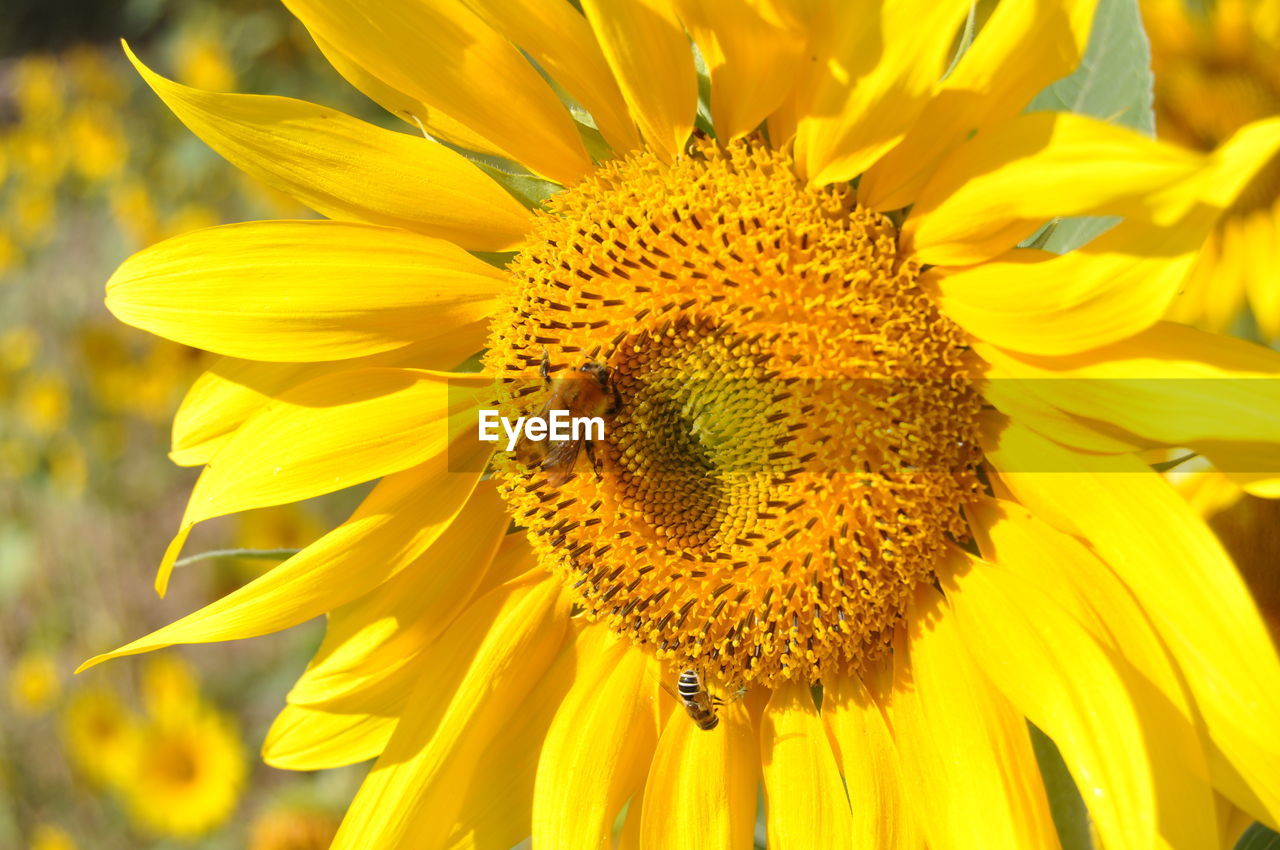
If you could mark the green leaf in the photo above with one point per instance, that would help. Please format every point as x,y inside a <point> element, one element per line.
<point>1070,816</point>
<point>1113,82</point>
<point>1258,837</point>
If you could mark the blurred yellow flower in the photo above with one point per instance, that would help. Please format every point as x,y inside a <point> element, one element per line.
<point>203,62</point>
<point>32,213</point>
<point>100,733</point>
<point>33,683</point>
<point>43,402</point>
<point>97,141</point>
<point>169,687</point>
<point>38,154</point>
<point>49,836</point>
<point>187,773</point>
<point>292,828</point>
<point>38,88</point>
<point>1215,72</point>
<point>18,347</point>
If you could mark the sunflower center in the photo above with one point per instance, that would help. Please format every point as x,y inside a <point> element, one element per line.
<point>795,439</point>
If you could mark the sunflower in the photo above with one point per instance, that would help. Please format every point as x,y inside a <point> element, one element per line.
<point>186,774</point>
<point>292,828</point>
<point>99,732</point>
<point>1218,69</point>
<point>34,684</point>
<point>874,476</point>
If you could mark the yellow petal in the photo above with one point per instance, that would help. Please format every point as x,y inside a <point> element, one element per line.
<point>499,816</point>
<point>753,51</point>
<point>232,390</point>
<point>1170,385</point>
<point>415,112</point>
<point>346,169</point>
<point>964,749</point>
<point>1057,674</point>
<point>403,515</point>
<point>649,53</point>
<point>1065,570</point>
<point>868,761</point>
<point>473,684</point>
<point>876,65</point>
<point>560,40</point>
<point>998,187</point>
<point>1022,48</point>
<point>1262,230</point>
<point>702,786</point>
<point>1117,285</point>
<point>311,739</point>
<point>330,433</point>
<point>599,746</point>
<point>223,397</point>
<point>284,290</point>
<point>441,53</point>
<point>369,640</point>
<point>804,797</point>
<point>1184,580</point>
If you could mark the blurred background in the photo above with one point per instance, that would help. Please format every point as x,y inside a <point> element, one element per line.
<point>161,751</point>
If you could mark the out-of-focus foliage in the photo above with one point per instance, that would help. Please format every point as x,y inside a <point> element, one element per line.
<point>93,167</point>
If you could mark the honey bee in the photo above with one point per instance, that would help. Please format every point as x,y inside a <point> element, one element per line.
<point>695,699</point>
<point>586,391</point>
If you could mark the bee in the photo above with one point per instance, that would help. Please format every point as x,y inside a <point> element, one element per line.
<point>587,391</point>
<point>695,699</point>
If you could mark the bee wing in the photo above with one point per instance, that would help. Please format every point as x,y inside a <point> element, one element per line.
<point>560,460</point>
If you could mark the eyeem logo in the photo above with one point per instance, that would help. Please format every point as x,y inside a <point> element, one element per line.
<point>557,425</point>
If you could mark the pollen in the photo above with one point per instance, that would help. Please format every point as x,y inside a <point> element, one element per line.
<point>795,440</point>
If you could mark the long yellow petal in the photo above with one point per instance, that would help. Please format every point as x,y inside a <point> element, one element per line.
<point>702,786</point>
<point>370,639</point>
<point>753,51</point>
<point>864,748</point>
<point>223,397</point>
<point>1171,385</point>
<point>560,40</point>
<point>1063,568</point>
<point>1184,580</point>
<point>285,290</point>
<point>328,434</point>
<point>964,749</point>
<point>346,169</point>
<point>876,66</point>
<point>1054,671</point>
<point>403,515</point>
<point>1116,286</point>
<point>474,683</point>
<point>501,816</point>
<point>441,53</point>
<point>1022,48</point>
<point>231,390</point>
<point>312,739</point>
<point>414,112</point>
<point>649,53</point>
<point>804,797</point>
<point>998,187</point>
<point>598,748</point>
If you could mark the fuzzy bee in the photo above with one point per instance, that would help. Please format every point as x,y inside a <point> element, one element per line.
<point>585,392</point>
